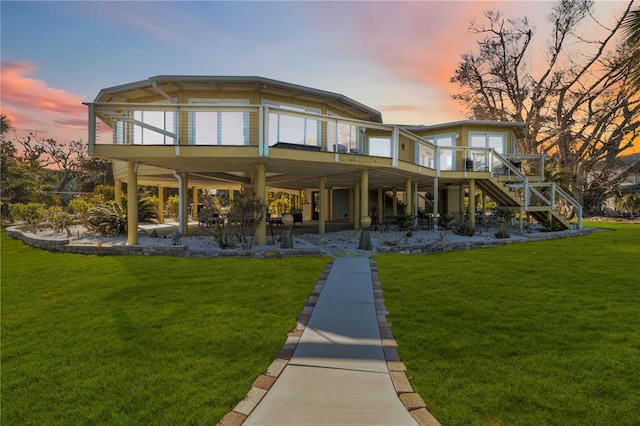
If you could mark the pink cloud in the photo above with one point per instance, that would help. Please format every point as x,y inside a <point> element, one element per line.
<point>421,42</point>
<point>32,106</point>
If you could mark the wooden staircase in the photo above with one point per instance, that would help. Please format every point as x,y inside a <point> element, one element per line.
<point>512,196</point>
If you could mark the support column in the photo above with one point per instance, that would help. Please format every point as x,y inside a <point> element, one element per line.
<point>521,222</point>
<point>194,211</point>
<point>322,207</point>
<point>394,205</point>
<point>260,191</point>
<point>436,202</point>
<point>132,204</point>
<point>380,205</point>
<point>184,204</point>
<point>117,190</point>
<point>407,202</point>
<point>364,193</point>
<point>160,204</point>
<point>356,206</point>
<point>461,189</point>
<point>472,202</point>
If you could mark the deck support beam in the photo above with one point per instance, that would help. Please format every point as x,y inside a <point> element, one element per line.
<point>184,204</point>
<point>380,206</point>
<point>408,205</point>
<point>322,207</point>
<point>132,204</point>
<point>356,205</point>
<point>260,191</point>
<point>472,202</point>
<point>364,193</point>
<point>160,204</point>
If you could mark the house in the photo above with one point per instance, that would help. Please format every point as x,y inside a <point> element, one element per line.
<point>336,155</point>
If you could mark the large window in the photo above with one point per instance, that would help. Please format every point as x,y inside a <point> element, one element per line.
<point>218,127</point>
<point>488,140</point>
<point>447,156</point>
<point>425,154</point>
<point>380,147</point>
<point>151,128</point>
<point>344,138</point>
<point>292,129</point>
<point>495,141</point>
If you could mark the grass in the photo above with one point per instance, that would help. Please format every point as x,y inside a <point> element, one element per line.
<point>542,333</point>
<point>140,340</point>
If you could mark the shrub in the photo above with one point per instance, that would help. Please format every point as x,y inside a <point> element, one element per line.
<point>111,219</point>
<point>405,222</point>
<point>81,206</point>
<point>629,203</point>
<point>153,201</point>
<point>30,214</point>
<point>550,226</point>
<point>246,213</point>
<point>445,220</point>
<point>459,223</point>
<point>103,193</point>
<point>58,218</point>
<point>504,222</point>
<point>224,235</point>
<point>173,206</point>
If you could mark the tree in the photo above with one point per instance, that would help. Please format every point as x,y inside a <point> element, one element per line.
<point>48,153</point>
<point>631,28</point>
<point>20,181</point>
<point>580,108</point>
<point>69,166</point>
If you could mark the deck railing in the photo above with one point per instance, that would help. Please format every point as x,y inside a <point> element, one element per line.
<point>267,127</point>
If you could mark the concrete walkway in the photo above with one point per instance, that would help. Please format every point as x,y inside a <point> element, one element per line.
<point>338,371</point>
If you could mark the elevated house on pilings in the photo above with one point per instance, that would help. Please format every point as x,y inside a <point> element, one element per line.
<point>334,154</point>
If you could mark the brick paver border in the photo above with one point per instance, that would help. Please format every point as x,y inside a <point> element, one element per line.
<point>397,370</point>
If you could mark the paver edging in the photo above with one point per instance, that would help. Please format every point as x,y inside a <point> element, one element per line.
<point>412,401</point>
<point>265,381</point>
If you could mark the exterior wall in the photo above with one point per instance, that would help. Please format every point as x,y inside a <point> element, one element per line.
<point>341,204</point>
<point>452,199</point>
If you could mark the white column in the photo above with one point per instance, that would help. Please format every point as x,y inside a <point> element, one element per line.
<point>132,204</point>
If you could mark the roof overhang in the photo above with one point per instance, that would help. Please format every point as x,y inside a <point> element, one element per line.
<point>164,84</point>
<point>519,128</point>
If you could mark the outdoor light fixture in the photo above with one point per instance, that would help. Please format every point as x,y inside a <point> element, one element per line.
<point>287,219</point>
<point>365,221</point>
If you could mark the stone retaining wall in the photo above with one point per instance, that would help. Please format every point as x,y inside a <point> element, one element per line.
<point>65,245</point>
<point>468,245</point>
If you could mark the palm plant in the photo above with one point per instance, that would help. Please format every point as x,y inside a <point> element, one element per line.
<point>632,34</point>
<point>111,219</point>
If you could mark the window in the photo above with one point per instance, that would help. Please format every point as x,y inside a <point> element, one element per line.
<point>495,141</point>
<point>380,147</point>
<point>447,156</point>
<point>291,129</point>
<point>488,140</point>
<point>345,137</point>
<point>218,127</point>
<point>146,125</point>
<point>425,155</point>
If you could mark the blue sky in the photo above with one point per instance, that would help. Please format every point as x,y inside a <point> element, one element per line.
<point>396,57</point>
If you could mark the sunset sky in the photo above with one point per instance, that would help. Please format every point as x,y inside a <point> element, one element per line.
<point>396,57</point>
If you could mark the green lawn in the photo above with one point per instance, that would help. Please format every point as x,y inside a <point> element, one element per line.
<point>140,340</point>
<point>542,333</point>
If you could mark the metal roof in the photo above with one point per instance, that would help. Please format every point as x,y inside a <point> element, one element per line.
<point>168,83</point>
